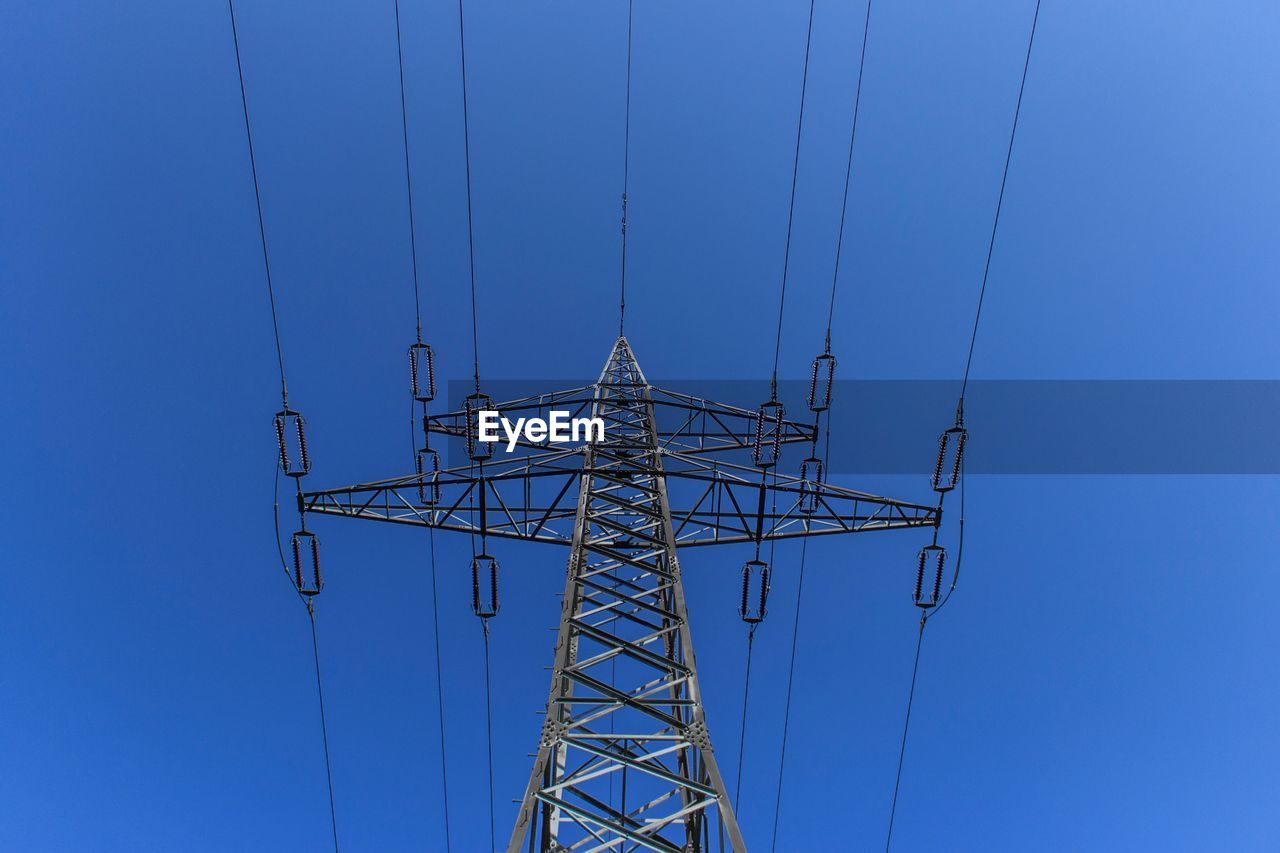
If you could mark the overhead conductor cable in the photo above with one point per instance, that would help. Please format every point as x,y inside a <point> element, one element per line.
<point>481,562</point>
<point>821,383</point>
<point>423,390</point>
<point>294,459</point>
<point>949,469</point>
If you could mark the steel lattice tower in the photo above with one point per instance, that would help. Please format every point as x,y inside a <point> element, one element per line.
<point>625,759</point>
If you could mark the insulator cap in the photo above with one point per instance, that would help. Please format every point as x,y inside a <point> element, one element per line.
<point>483,564</point>
<point>422,372</point>
<point>821,381</point>
<point>291,436</point>
<point>753,607</point>
<point>766,446</point>
<point>306,563</point>
<point>477,450</point>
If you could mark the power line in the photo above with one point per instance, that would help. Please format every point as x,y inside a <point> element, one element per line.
<point>848,173</point>
<point>324,727</point>
<point>791,206</point>
<point>435,622</point>
<point>902,750</point>
<point>826,454</point>
<point>626,175</point>
<point>995,224</point>
<point>284,415</point>
<point>791,674</point>
<point>417,310</point>
<point>466,150</point>
<point>408,180</point>
<point>257,196</point>
<point>488,719</point>
<point>964,385</point>
<point>742,731</point>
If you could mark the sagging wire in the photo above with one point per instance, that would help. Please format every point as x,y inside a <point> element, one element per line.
<point>951,476</point>
<point>791,205</point>
<point>791,673</point>
<point>435,624</point>
<point>422,381</point>
<point>767,444</point>
<point>477,450</point>
<point>753,607</point>
<point>293,456</point>
<point>742,731</point>
<point>488,721</point>
<point>821,386</point>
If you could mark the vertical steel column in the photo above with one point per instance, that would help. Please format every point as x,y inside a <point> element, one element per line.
<point>625,760</point>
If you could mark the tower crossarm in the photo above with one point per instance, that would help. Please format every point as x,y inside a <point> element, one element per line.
<point>534,498</point>
<point>692,425</point>
<point>714,503</point>
<point>531,497</point>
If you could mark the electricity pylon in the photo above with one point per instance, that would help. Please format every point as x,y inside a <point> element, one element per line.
<point>625,759</point>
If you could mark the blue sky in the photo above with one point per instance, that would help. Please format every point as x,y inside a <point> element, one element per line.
<point>1105,678</point>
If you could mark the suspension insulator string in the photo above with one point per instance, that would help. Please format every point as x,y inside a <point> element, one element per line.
<point>955,573</point>
<point>290,426</point>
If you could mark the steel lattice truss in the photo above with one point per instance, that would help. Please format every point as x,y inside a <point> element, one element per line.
<point>625,761</point>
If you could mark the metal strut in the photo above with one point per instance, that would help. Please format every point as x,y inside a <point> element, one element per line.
<point>624,602</point>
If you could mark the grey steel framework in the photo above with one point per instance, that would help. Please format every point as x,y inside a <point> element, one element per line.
<point>625,760</point>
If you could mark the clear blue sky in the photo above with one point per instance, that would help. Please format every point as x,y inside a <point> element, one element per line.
<point>1105,678</point>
